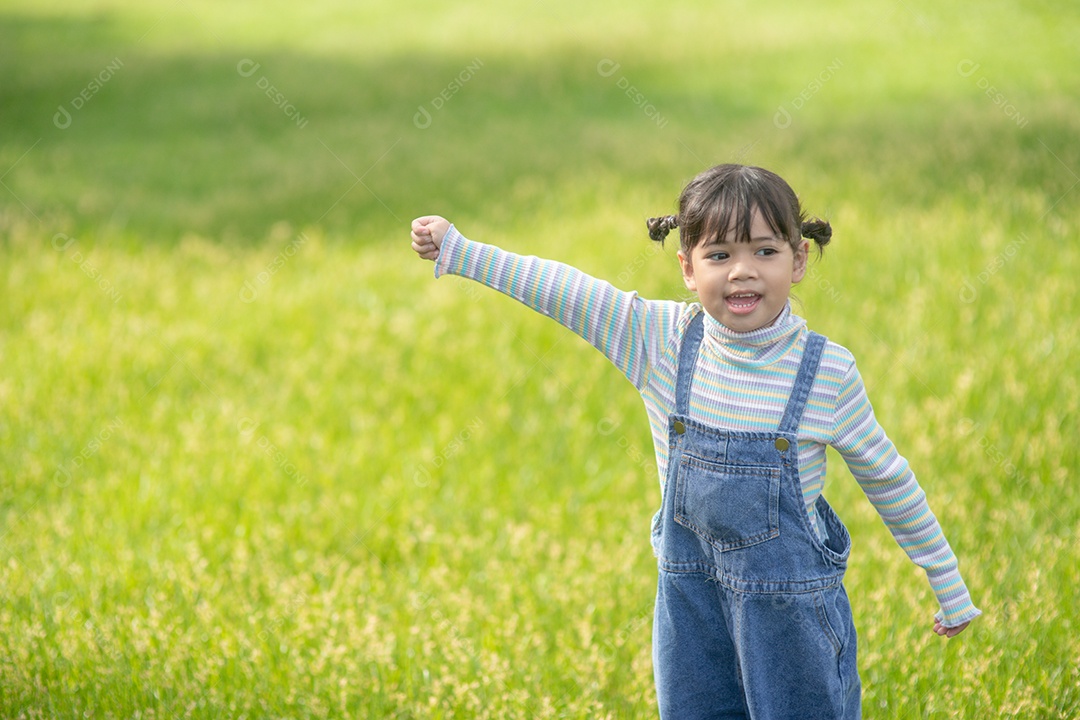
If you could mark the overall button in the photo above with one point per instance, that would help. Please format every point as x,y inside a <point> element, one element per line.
<point>782,444</point>
<point>680,428</point>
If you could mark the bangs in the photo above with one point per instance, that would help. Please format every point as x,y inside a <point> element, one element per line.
<point>720,203</point>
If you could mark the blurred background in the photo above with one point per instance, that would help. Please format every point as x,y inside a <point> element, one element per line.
<point>257,462</point>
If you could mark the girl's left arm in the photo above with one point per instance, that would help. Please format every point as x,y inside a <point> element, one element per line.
<point>891,487</point>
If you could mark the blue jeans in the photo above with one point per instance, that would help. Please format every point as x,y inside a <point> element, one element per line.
<point>752,620</point>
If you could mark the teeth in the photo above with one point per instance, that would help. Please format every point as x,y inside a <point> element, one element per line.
<point>747,299</point>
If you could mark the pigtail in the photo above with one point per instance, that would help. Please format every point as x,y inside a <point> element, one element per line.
<point>722,201</point>
<point>659,227</point>
<point>820,231</point>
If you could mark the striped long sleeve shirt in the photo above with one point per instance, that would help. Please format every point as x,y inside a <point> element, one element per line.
<point>742,382</point>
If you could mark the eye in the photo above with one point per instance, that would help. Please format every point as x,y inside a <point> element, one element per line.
<point>766,251</point>
<point>717,256</point>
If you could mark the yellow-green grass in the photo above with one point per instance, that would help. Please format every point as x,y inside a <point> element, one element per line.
<point>257,462</point>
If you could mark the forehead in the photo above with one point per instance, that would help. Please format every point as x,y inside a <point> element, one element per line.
<point>743,229</point>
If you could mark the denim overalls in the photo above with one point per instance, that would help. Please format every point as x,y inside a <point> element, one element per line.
<point>752,620</point>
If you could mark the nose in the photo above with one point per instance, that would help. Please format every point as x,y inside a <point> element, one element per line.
<point>741,268</point>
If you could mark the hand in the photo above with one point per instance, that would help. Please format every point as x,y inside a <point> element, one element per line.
<point>949,632</point>
<point>427,235</point>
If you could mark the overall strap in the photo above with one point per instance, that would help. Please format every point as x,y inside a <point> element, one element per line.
<point>808,368</point>
<point>687,359</point>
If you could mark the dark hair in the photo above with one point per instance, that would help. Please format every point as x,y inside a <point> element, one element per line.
<point>725,197</point>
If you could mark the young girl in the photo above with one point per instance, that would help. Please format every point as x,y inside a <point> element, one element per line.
<point>752,619</point>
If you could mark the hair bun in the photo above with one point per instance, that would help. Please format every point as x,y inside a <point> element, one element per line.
<point>820,231</point>
<point>659,227</point>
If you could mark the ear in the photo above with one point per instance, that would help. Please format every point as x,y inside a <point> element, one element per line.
<point>687,272</point>
<point>798,271</point>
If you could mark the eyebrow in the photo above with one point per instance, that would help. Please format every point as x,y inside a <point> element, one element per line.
<point>759,238</point>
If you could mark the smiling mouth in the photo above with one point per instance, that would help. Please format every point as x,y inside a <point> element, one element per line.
<point>742,302</point>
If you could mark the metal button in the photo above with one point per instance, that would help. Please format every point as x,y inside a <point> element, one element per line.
<point>679,427</point>
<point>782,444</point>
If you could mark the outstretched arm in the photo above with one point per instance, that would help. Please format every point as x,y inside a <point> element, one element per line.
<point>628,330</point>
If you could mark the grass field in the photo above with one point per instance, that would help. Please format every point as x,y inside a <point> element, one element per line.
<point>255,462</point>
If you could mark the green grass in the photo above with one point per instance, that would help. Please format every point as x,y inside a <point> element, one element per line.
<point>256,462</point>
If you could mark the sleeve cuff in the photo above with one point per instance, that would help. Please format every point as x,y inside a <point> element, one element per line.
<point>448,252</point>
<point>958,620</point>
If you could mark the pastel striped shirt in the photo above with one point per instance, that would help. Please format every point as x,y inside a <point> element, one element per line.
<point>741,382</point>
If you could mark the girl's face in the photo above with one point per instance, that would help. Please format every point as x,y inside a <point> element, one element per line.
<point>744,285</point>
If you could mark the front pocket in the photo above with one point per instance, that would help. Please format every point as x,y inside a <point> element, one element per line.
<point>728,506</point>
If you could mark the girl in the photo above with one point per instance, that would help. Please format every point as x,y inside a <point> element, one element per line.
<point>752,619</point>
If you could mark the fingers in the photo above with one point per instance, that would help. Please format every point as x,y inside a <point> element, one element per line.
<point>947,631</point>
<point>425,220</point>
<point>427,233</point>
<point>953,632</point>
<point>422,243</point>
<point>421,225</point>
<point>425,248</point>
<point>419,230</point>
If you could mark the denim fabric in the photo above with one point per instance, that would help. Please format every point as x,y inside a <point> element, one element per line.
<point>752,620</point>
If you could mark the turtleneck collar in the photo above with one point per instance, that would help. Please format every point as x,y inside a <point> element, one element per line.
<point>756,348</point>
